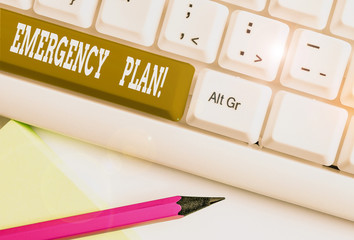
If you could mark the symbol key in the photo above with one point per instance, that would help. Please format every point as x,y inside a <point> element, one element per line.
<point>184,31</point>
<point>253,45</point>
<point>315,63</point>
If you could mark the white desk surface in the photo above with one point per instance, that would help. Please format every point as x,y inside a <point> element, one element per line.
<point>119,180</point>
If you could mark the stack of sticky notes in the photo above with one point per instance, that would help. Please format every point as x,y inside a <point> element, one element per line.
<point>32,188</point>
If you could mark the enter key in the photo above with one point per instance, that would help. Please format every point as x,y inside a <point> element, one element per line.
<point>92,66</point>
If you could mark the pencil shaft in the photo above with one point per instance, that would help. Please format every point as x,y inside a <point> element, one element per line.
<point>96,221</point>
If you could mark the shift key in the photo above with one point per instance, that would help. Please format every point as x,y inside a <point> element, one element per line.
<point>92,66</point>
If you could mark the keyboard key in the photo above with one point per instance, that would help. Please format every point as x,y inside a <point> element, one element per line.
<point>310,13</point>
<point>347,97</point>
<point>253,45</point>
<point>22,4</point>
<point>346,157</point>
<point>193,28</point>
<point>76,12</point>
<point>315,63</point>
<point>134,21</point>
<point>94,67</point>
<point>343,19</point>
<point>229,105</point>
<point>304,128</point>
<point>257,5</point>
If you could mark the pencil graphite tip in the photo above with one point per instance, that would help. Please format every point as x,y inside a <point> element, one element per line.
<point>215,199</point>
<point>193,204</point>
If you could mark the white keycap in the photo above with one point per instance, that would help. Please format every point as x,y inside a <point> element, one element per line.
<point>253,45</point>
<point>346,157</point>
<point>229,105</point>
<point>310,13</point>
<point>304,128</point>
<point>257,5</point>
<point>315,63</point>
<point>193,28</point>
<point>76,12</point>
<point>343,19</point>
<point>134,21</point>
<point>23,4</point>
<point>347,97</point>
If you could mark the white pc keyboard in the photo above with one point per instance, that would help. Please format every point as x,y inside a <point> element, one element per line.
<point>257,94</point>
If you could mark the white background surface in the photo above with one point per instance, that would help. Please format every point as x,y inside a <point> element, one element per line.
<point>114,179</point>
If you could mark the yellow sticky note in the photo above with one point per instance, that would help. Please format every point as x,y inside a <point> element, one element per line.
<point>32,188</point>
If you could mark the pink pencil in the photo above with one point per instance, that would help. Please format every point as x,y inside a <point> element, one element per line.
<point>120,217</point>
